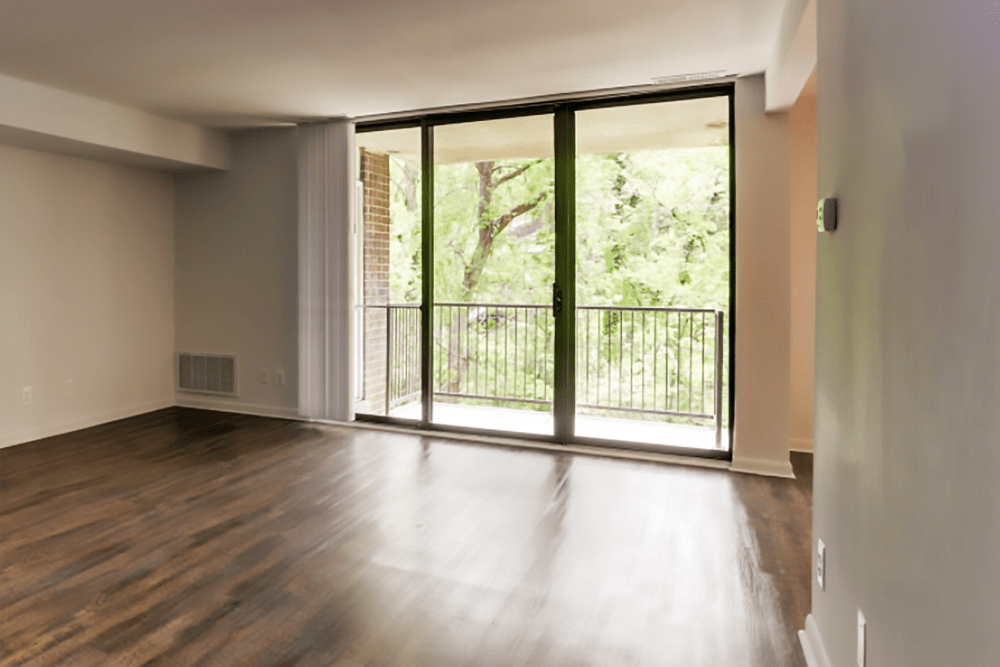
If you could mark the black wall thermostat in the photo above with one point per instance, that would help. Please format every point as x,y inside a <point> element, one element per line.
<point>826,215</point>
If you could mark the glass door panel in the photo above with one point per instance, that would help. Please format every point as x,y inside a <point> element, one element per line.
<point>390,282</point>
<point>494,258</point>
<point>653,272</point>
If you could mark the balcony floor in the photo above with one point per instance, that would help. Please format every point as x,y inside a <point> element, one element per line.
<point>640,431</point>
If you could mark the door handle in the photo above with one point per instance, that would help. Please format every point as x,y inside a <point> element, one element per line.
<point>556,300</point>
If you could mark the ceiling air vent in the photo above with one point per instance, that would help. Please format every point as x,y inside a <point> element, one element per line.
<point>206,373</point>
<point>687,78</point>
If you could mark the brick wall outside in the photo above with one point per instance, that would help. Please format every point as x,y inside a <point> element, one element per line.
<point>375,176</point>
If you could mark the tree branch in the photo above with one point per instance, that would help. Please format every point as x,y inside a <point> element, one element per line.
<point>514,174</point>
<point>497,225</point>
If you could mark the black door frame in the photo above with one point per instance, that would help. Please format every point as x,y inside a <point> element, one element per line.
<point>564,400</point>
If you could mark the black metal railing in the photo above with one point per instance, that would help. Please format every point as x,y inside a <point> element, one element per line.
<point>657,361</point>
<point>494,352</point>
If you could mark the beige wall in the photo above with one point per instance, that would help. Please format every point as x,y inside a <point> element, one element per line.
<point>763,297</point>
<point>86,292</point>
<point>42,118</point>
<point>803,183</point>
<point>907,457</point>
<point>237,269</point>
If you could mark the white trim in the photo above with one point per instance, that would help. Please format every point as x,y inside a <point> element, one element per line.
<point>70,425</point>
<point>763,467</point>
<point>804,445</point>
<point>220,405</point>
<point>812,644</point>
<point>517,443</point>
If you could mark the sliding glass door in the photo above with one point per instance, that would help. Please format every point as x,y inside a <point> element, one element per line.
<point>388,344</point>
<point>562,271</point>
<point>653,267</point>
<point>494,264</point>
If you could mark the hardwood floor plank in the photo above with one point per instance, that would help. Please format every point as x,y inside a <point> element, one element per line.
<point>187,538</point>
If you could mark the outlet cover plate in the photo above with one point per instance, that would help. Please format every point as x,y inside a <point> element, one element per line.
<point>862,629</point>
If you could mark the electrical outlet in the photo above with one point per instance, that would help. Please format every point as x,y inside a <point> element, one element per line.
<point>821,565</point>
<point>862,628</point>
<point>279,377</point>
<point>263,376</point>
<point>68,388</point>
<point>26,396</point>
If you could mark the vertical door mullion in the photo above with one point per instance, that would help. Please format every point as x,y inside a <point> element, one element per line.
<point>564,357</point>
<point>427,270</point>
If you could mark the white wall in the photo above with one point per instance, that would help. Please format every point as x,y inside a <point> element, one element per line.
<point>803,183</point>
<point>763,295</point>
<point>43,118</point>
<point>907,462</point>
<point>237,269</point>
<point>86,292</point>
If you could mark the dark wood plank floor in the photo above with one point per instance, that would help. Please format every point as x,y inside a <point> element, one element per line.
<point>187,538</point>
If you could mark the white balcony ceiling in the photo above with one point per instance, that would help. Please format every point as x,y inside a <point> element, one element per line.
<point>234,63</point>
<point>681,124</point>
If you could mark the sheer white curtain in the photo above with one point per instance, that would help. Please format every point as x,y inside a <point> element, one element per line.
<point>327,173</point>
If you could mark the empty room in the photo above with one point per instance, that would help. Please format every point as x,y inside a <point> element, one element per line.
<point>541,333</point>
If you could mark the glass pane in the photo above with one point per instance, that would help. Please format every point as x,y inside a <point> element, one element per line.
<point>494,259</point>
<point>652,228</point>
<point>388,326</point>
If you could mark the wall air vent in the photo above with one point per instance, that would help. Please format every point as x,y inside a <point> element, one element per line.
<point>685,78</point>
<point>207,373</point>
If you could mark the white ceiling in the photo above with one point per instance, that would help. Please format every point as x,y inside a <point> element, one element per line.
<point>249,62</point>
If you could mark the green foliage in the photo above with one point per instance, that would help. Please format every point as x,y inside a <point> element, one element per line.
<point>652,230</point>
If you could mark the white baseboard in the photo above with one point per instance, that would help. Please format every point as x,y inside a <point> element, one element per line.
<point>224,405</point>
<point>801,445</point>
<point>762,467</point>
<point>812,644</point>
<point>69,425</point>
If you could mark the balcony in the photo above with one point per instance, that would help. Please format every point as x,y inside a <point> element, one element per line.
<point>651,376</point>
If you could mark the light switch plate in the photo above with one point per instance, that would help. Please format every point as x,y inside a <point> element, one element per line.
<point>826,215</point>
<point>279,377</point>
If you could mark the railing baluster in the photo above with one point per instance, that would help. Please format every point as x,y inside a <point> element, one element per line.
<point>597,360</point>
<point>655,350</point>
<point>642,401</point>
<point>718,379</point>
<point>545,362</point>
<point>631,361</point>
<point>690,361</point>
<point>621,340</point>
<point>506,354</point>
<point>388,359</point>
<point>586,365</point>
<point>608,329</point>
